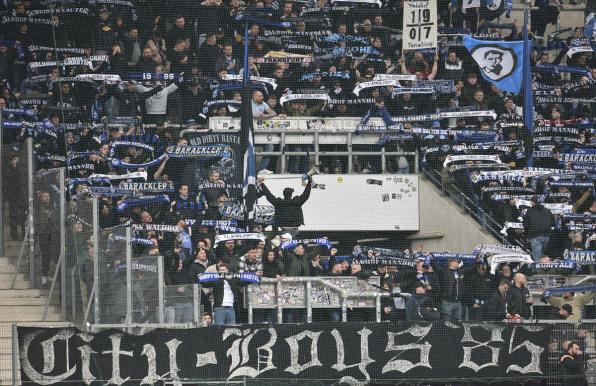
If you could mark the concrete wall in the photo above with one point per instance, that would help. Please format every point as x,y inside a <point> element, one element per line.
<point>439,215</point>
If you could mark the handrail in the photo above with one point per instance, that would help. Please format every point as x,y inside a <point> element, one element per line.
<point>488,223</point>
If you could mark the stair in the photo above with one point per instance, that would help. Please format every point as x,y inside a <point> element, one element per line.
<point>22,305</point>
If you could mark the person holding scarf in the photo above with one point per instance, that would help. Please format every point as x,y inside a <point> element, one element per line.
<point>288,210</point>
<point>452,289</point>
<point>226,292</point>
<point>576,302</point>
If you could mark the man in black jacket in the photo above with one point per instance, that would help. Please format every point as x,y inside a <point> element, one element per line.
<point>288,210</point>
<point>537,227</point>
<point>518,298</point>
<point>572,367</point>
<point>496,308</point>
<point>478,286</point>
<point>452,288</point>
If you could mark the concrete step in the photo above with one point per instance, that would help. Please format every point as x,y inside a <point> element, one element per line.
<point>6,302</point>
<point>21,293</point>
<point>6,281</point>
<point>30,314</point>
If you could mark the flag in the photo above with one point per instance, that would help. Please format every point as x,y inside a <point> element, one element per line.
<point>249,181</point>
<point>501,63</point>
<point>589,30</point>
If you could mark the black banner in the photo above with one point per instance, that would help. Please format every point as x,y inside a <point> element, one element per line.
<point>229,165</point>
<point>351,353</point>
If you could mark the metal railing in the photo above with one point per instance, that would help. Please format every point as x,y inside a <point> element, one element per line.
<point>313,292</point>
<point>488,224</point>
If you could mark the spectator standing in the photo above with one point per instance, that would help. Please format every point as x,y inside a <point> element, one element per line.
<point>45,228</point>
<point>478,286</point>
<point>419,305</point>
<point>572,367</point>
<point>538,222</point>
<point>497,303</point>
<point>225,295</point>
<point>576,302</point>
<point>288,210</point>
<point>452,287</point>
<point>519,299</point>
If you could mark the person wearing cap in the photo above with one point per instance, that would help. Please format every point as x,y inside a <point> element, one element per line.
<point>563,313</point>
<point>288,210</point>
<point>419,305</point>
<point>576,302</point>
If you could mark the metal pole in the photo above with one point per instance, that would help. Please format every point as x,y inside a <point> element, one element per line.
<point>280,311</point>
<point>15,355</point>
<point>16,270</point>
<point>309,302</point>
<point>250,311</point>
<point>88,309</point>
<point>31,217</point>
<point>73,293</point>
<point>344,310</point>
<point>128,275</point>
<point>2,187</point>
<point>378,308</point>
<point>51,293</point>
<point>196,301</point>
<point>416,162</point>
<point>96,259</point>
<point>160,279</point>
<point>63,242</point>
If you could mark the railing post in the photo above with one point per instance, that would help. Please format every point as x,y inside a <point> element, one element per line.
<point>282,149</point>
<point>280,311</point>
<point>483,220</point>
<point>344,310</point>
<point>160,299</point>
<point>128,275</point>
<point>378,308</point>
<point>15,353</point>
<point>309,302</point>
<point>350,155</point>
<point>63,241</point>
<point>96,286</point>
<point>73,293</point>
<point>196,303</point>
<point>416,162</point>
<point>250,310</point>
<point>31,209</point>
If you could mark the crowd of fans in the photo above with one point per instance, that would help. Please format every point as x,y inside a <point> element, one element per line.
<point>66,71</point>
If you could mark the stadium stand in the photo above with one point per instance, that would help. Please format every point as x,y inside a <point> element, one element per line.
<point>124,165</point>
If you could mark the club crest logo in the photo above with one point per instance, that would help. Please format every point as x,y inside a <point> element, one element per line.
<point>495,62</point>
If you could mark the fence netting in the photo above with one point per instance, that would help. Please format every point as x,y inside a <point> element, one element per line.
<point>274,164</point>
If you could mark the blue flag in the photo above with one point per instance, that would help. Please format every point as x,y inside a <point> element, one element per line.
<point>500,62</point>
<point>589,29</point>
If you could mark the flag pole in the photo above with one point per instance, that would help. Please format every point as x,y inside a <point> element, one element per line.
<point>527,81</point>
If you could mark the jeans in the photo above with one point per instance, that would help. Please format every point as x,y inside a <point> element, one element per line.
<point>266,160</point>
<point>224,315</point>
<point>453,309</point>
<point>538,244</point>
<point>179,313</point>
